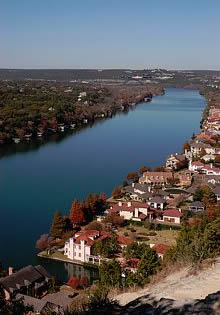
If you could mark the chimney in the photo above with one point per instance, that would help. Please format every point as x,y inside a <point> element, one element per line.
<point>120,203</point>
<point>149,188</point>
<point>211,165</point>
<point>133,184</point>
<point>129,204</point>
<point>10,270</point>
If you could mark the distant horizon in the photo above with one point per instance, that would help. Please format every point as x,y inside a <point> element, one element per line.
<point>114,34</point>
<point>104,69</point>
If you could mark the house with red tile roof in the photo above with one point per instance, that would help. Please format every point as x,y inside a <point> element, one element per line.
<point>79,247</point>
<point>158,179</point>
<point>171,216</point>
<point>131,210</point>
<point>160,249</point>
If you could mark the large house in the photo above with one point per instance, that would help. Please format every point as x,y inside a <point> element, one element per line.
<point>79,247</point>
<point>158,179</point>
<point>138,192</point>
<point>131,210</point>
<point>28,280</point>
<point>174,161</point>
<point>207,169</point>
<point>171,216</point>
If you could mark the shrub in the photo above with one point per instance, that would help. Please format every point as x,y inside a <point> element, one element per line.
<point>94,225</point>
<point>152,233</point>
<point>125,233</point>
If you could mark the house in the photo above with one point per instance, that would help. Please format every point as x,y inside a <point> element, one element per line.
<point>210,170</point>
<point>196,206</point>
<point>197,147</point>
<point>174,161</point>
<point>39,306</point>
<point>80,246</point>
<point>160,249</point>
<point>157,202</point>
<point>171,216</point>
<point>131,210</point>
<point>28,279</point>
<point>184,178</point>
<point>213,179</point>
<point>57,303</point>
<point>138,192</point>
<point>208,157</point>
<point>158,179</point>
<point>216,191</point>
<point>195,166</point>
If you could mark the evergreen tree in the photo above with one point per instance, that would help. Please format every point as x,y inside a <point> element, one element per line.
<point>110,273</point>
<point>148,265</point>
<point>58,225</point>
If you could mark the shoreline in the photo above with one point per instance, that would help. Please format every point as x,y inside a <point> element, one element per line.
<point>57,136</point>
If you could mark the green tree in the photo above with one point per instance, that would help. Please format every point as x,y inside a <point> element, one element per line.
<point>110,273</point>
<point>58,225</point>
<point>135,250</point>
<point>148,265</point>
<point>106,247</point>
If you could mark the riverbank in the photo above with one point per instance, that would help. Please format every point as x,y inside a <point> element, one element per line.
<point>40,109</point>
<point>65,170</point>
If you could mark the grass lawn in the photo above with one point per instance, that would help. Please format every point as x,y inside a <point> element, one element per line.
<point>167,237</point>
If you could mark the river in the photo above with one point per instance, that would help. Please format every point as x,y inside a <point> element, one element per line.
<point>38,181</point>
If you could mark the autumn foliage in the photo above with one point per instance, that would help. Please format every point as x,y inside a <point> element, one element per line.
<point>77,214</point>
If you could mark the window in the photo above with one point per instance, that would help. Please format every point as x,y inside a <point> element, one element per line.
<point>79,247</point>
<point>79,254</point>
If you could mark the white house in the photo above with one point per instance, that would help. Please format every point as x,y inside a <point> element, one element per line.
<point>171,216</point>
<point>131,210</point>
<point>79,246</point>
<point>195,166</point>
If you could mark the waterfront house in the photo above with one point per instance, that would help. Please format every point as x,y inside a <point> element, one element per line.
<point>175,161</point>
<point>80,246</point>
<point>58,303</point>
<point>138,192</point>
<point>135,211</point>
<point>28,280</point>
<point>158,179</point>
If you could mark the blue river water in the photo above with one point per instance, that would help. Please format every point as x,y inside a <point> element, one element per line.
<point>36,182</point>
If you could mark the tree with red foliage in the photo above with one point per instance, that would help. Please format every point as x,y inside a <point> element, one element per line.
<point>84,282</point>
<point>77,215</point>
<point>73,282</point>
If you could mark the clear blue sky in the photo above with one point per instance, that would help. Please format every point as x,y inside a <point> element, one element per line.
<point>173,34</point>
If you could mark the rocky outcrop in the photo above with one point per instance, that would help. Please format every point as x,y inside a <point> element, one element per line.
<point>148,305</point>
